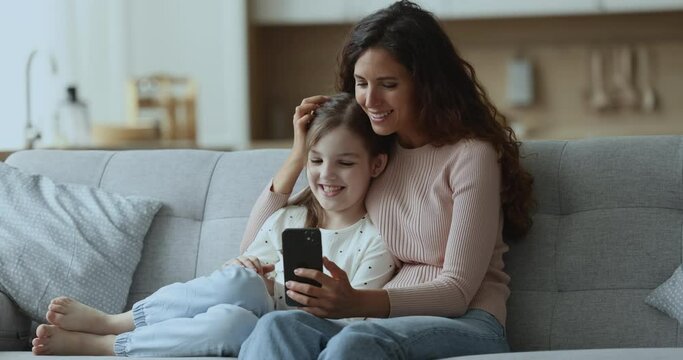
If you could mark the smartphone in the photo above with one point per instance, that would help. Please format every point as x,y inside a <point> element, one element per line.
<point>301,248</point>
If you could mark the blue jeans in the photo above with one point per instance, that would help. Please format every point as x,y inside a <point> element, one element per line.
<point>299,335</point>
<point>207,316</point>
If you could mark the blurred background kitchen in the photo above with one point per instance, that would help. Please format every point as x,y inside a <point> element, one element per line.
<point>225,75</point>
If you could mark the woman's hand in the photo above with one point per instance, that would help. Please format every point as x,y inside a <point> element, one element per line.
<point>285,179</point>
<point>303,115</point>
<point>335,299</point>
<point>251,262</point>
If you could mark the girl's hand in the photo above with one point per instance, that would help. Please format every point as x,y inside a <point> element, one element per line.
<point>335,299</point>
<point>251,262</point>
<point>303,115</point>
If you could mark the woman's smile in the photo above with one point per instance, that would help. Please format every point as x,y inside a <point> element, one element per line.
<point>386,92</point>
<point>379,116</point>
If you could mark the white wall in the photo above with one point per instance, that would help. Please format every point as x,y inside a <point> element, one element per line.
<point>26,26</point>
<point>205,40</point>
<point>98,44</point>
<point>234,125</point>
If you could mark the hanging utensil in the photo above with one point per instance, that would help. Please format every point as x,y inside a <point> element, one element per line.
<point>626,93</point>
<point>599,99</point>
<point>648,98</point>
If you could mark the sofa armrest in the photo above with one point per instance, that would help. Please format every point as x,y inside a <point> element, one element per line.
<point>15,327</point>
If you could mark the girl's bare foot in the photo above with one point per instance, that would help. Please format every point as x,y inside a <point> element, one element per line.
<point>52,340</point>
<point>72,315</point>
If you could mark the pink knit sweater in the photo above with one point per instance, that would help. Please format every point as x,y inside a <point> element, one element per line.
<point>438,209</point>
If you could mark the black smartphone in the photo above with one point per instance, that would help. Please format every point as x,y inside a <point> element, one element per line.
<point>301,248</point>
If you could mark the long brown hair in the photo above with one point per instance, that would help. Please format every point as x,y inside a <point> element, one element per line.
<point>341,110</point>
<point>453,105</point>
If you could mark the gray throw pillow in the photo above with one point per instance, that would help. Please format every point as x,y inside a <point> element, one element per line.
<point>68,239</point>
<point>668,297</point>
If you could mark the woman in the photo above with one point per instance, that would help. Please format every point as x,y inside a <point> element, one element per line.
<point>453,180</point>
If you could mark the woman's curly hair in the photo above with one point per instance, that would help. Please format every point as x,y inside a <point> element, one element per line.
<point>453,105</point>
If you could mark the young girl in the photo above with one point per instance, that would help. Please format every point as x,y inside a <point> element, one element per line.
<point>213,315</point>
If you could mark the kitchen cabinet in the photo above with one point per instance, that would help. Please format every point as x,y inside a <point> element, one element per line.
<point>467,9</point>
<point>311,12</point>
<point>358,9</point>
<point>295,12</point>
<point>618,6</point>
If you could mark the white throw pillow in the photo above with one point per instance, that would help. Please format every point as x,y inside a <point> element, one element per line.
<point>68,239</point>
<point>668,297</point>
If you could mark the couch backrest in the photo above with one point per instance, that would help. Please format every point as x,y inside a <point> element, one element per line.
<point>207,198</point>
<point>607,230</point>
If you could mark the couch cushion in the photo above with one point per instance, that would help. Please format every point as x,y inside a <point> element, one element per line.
<point>14,326</point>
<point>21,355</point>
<point>207,198</point>
<point>607,230</point>
<point>668,297</point>
<point>68,239</point>
<point>599,354</point>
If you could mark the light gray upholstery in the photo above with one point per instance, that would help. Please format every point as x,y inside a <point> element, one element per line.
<point>592,354</point>
<point>207,198</point>
<point>14,326</point>
<point>607,229</point>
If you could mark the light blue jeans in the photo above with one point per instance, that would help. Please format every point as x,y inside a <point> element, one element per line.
<point>299,335</point>
<point>206,316</point>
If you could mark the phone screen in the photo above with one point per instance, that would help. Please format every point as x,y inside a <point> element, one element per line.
<point>301,248</point>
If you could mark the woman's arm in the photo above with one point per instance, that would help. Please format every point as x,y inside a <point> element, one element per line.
<point>277,193</point>
<point>336,298</point>
<point>475,227</point>
<point>284,180</point>
<point>359,287</point>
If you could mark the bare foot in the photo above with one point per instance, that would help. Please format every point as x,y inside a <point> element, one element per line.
<point>72,315</point>
<point>52,340</point>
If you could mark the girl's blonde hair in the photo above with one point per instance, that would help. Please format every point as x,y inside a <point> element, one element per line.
<point>341,110</point>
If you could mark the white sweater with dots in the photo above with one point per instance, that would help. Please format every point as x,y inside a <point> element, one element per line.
<point>357,249</point>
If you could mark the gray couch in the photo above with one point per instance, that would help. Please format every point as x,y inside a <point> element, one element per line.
<point>607,230</point>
